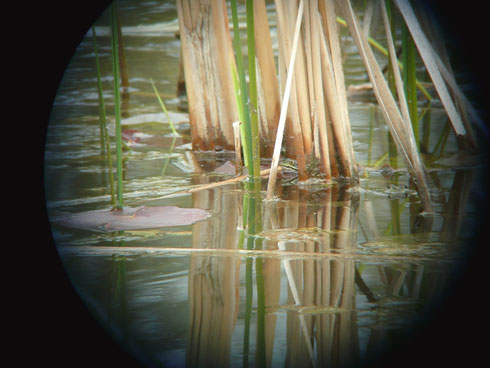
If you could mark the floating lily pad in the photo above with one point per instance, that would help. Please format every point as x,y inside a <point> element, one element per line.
<point>144,217</point>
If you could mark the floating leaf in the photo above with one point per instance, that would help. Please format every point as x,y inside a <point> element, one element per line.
<point>144,217</point>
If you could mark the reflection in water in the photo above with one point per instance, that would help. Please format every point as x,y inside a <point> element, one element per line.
<point>337,296</point>
<point>318,295</point>
<point>320,327</point>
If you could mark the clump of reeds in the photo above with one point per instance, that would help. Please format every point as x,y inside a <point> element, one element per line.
<point>312,119</point>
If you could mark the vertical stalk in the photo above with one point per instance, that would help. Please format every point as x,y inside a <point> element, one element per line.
<point>284,107</point>
<point>392,151</point>
<point>410,80</point>
<point>246,129</point>
<point>252,77</point>
<point>117,105</point>
<point>259,276</point>
<point>105,138</point>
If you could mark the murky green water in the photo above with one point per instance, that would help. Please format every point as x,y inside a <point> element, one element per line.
<point>328,279</point>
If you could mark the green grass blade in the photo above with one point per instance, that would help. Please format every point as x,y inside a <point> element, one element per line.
<point>164,108</point>
<point>247,129</point>
<point>117,105</point>
<point>252,77</point>
<point>105,138</point>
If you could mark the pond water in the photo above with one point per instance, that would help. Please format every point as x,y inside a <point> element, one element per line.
<point>331,276</point>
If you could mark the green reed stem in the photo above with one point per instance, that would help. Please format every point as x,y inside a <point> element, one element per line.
<point>392,150</point>
<point>163,108</point>
<point>252,77</point>
<point>117,105</point>
<point>105,138</point>
<point>426,118</point>
<point>246,130</point>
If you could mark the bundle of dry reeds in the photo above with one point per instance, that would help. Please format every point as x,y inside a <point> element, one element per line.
<point>303,104</point>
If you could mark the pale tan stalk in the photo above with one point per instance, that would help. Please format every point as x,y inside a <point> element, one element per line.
<point>318,96</point>
<point>387,104</point>
<point>282,119</point>
<point>342,126</point>
<point>303,125</point>
<point>268,86</point>
<point>426,52</point>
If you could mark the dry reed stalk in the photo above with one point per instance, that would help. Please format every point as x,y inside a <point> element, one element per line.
<point>402,100</point>
<point>268,86</point>
<point>402,135</point>
<point>203,27</point>
<point>317,96</point>
<point>427,55</point>
<point>329,18</point>
<point>294,142</point>
<point>282,118</point>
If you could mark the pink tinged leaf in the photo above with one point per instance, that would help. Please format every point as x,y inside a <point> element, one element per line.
<point>145,217</point>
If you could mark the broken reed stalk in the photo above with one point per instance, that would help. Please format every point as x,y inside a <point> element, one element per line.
<point>200,187</point>
<point>285,102</point>
<point>117,105</point>
<point>105,138</point>
<point>427,55</point>
<point>402,134</point>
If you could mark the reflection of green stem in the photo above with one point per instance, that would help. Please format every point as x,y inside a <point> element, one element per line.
<point>260,360</point>
<point>117,105</point>
<point>248,308</point>
<point>168,158</point>
<point>380,160</point>
<point>399,210</point>
<point>426,118</point>
<point>105,138</point>
<point>441,142</point>
<point>118,297</point>
<point>370,137</point>
<point>252,222</point>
